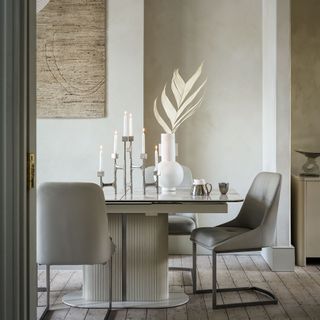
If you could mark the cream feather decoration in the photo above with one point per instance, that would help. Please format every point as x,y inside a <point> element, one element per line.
<point>187,101</point>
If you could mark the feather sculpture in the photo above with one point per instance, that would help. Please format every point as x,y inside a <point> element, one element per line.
<point>187,101</point>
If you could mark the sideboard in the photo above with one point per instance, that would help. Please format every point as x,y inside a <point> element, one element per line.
<point>306,217</point>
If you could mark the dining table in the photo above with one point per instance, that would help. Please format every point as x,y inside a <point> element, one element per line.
<point>138,226</point>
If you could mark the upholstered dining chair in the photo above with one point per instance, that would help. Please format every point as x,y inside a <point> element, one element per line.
<point>252,229</point>
<point>72,228</point>
<point>180,224</point>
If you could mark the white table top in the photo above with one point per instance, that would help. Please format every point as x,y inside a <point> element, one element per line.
<point>174,197</point>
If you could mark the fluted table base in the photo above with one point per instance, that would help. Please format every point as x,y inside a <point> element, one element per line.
<point>142,242</point>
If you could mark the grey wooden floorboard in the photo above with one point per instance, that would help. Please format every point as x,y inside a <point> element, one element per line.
<point>232,297</point>
<point>156,314</point>
<point>97,314</point>
<point>287,300</point>
<point>298,292</point>
<point>241,280</point>
<point>256,279</point>
<point>136,314</point>
<point>118,315</point>
<point>205,282</point>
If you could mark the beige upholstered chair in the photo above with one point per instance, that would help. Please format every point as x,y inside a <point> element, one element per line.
<point>252,229</point>
<point>180,224</point>
<point>72,228</point>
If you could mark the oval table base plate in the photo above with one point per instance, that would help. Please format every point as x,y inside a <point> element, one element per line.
<point>75,299</point>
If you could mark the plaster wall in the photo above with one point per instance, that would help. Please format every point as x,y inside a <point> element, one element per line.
<point>68,149</point>
<point>305,44</point>
<point>222,141</point>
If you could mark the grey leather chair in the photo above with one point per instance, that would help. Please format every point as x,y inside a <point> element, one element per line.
<point>252,229</point>
<point>179,224</point>
<point>72,228</point>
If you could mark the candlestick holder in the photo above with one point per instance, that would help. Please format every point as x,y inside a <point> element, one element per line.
<point>114,184</point>
<point>143,157</point>
<point>128,167</point>
<point>127,148</point>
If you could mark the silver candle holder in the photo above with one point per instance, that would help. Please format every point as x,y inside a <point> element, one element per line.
<point>116,167</point>
<point>128,166</point>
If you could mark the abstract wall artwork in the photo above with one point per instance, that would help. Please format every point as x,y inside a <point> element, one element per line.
<point>71,67</point>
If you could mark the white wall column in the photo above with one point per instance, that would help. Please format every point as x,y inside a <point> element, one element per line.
<point>277,121</point>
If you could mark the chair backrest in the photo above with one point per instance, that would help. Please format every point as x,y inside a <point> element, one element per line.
<point>261,203</point>
<point>72,225</point>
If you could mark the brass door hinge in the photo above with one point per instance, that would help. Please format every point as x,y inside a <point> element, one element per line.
<point>31,170</point>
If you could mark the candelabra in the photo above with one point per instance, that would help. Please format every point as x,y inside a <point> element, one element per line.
<point>127,157</point>
<point>116,167</point>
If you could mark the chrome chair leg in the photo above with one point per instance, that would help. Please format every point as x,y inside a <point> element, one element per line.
<point>272,299</point>
<point>46,289</point>
<point>180,269</point>
<point>110,291</point>
<point>214,279</point>
<point>40,289</point>
<point>194,267</point>
<point>48,285</point>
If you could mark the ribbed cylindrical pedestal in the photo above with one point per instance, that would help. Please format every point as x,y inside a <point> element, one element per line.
<point>147,261</point>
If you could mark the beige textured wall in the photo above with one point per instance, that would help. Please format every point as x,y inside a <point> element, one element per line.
<point>222,141</point>
<point>67,149</point>
<point>305,78</point>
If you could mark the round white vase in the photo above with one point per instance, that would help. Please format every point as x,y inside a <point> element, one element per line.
<point>169,170</point>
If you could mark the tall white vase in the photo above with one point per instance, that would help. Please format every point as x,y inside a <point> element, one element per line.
<point>170,172</point>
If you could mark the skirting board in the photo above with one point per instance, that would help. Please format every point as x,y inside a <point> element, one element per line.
<point>279,258</point>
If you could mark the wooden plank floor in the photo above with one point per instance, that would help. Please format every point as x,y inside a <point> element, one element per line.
<point>298,292</point>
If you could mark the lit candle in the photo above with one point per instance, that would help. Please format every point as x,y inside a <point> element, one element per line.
<point>115,141</point>
<point>125,124</point>
<point>100,159</point>
<point>130,125</point>
<point>143,141</point>
<point>156,156</point>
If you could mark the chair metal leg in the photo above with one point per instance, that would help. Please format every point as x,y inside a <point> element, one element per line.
<point>194,267</point>
<point>214,279</point>
<point>272,298</point>
<point>46,289</point>
<point>40,289</point>
<point>48,285</point>
<point>110,291</point>
<point>180,269</point>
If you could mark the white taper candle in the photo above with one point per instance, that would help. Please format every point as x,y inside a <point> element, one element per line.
<point>130,125</point>
<point>100,158</point>
<point>143,141</point>
<point>125,124</point>
<point>156,156</point>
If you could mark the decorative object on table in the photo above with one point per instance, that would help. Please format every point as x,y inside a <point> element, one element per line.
<point>310,167</point>
<point>187,101</point>
<point>127,140</point>
<point>223,187</point>
<point>170,172</point>
<point>201,188</point>
<point>71,66</point>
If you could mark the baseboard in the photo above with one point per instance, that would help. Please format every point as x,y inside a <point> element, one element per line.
<point>279,258</point>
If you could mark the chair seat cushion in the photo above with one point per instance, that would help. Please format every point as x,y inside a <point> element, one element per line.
<point>210,237</point>
<point>180,225</point>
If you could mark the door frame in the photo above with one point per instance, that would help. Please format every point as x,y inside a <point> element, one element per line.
<point>18,296</point>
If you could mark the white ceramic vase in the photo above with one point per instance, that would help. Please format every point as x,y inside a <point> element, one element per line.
<point>169,170</point>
